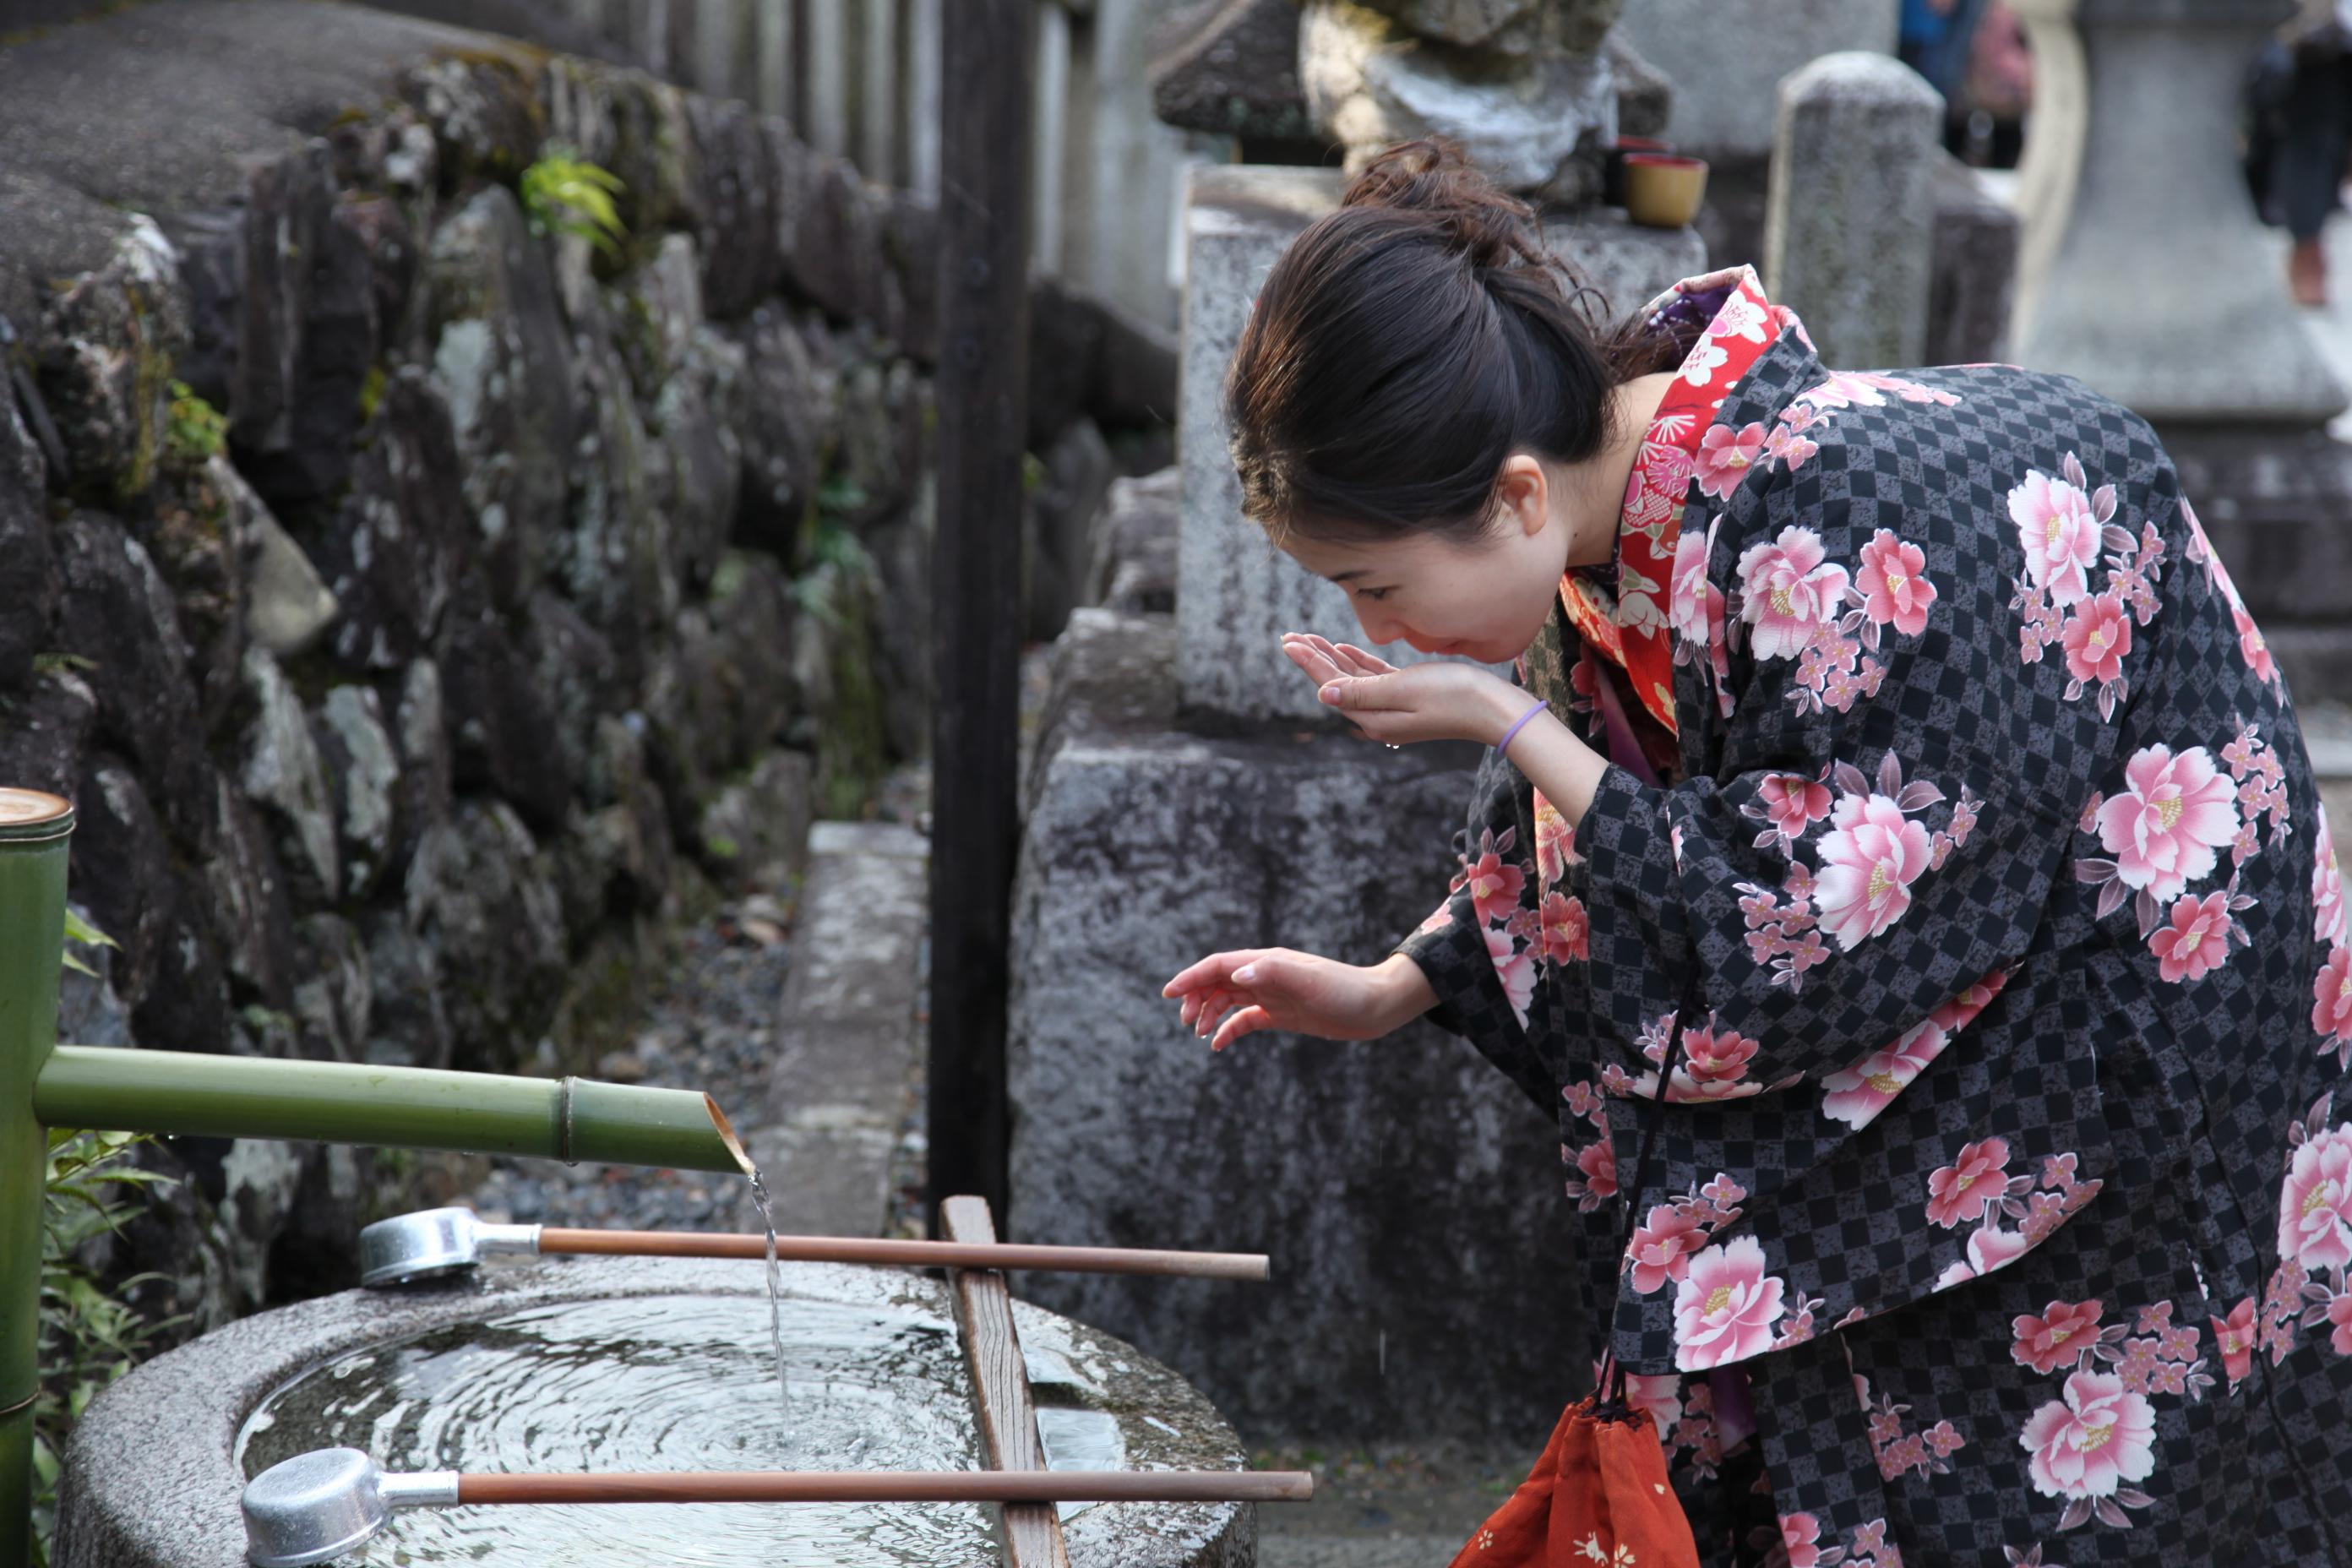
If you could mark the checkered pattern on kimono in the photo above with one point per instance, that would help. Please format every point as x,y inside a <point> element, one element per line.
<point>2174,1095</point>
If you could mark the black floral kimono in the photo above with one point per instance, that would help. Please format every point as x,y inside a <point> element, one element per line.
<point>1961,859</point>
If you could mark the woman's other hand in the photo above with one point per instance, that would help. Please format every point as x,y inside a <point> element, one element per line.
<point>1229,994</point>
<point>1438,701</point>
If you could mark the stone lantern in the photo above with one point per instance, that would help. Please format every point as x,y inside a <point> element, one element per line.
<point>2145,271</point>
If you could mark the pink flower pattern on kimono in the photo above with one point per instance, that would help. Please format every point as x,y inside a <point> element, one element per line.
<point>2063,1333</point>
<point>2096,635</point>
<point>2060,528</point>
<point>2197,940</point>
<point>2326,888</point>
<point>1597,1165</point>
<point>2235,1336</point>
<point>1494,886</point>
<point>2315,1203</point>
<point>2331,1005</point>
<point>1859,1092</point>
<point>1565,929</point>
<point>2256,652</point>
<point>2163,828</point>
<point>2087,1445</point>
<point>1555,842</point>
<point>1989,1247</point>
<point>1869,859</point>
<point>1726,1306</point>
<point>1725,456</point>
<point>1792,804</point>
<point>1977,1176</point>
<point>1789,590</point>
<point>1686,596</point>
<point>1662,1247</point>
<point>1515,968</point>
<point>1801,1534</point>
<point>1895,586</point>
<point>1716,1066</point>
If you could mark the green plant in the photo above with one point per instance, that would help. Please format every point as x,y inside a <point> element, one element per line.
<point>52,663</point>
<point>565,194</point>
<point>194,430</point>
<point>90,1334</point>
<point>81,931</point>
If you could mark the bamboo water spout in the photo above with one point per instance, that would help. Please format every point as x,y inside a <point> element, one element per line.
<point>45,1085</point>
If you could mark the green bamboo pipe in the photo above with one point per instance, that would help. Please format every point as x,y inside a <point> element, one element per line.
<point>197,1095</point>
<point>34,830</point>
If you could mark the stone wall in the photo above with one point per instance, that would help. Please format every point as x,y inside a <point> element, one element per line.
<point>530,595</point>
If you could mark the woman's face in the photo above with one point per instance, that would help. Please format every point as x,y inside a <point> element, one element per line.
<point>1485,597</point>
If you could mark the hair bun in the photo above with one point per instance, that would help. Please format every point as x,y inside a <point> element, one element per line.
<point>1487,224</point>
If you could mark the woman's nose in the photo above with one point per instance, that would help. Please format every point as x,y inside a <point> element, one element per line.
<point>1378,628</point>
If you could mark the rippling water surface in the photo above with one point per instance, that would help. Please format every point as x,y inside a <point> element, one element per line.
<point>586,1385</point>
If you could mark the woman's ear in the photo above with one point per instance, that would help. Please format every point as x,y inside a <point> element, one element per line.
<point>1523,493</point>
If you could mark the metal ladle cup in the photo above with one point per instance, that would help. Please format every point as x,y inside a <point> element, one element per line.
<point>432,1243</point>
<point>315,1506</point>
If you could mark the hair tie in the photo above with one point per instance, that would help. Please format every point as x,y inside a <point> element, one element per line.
<point>1503,746</point>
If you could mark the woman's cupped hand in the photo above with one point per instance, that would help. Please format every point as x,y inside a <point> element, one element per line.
<point>1229,994</point>
<point>1442,700</point>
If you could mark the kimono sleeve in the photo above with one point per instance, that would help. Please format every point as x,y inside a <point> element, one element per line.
<point>1892,800</point>
<point>1466,949</point>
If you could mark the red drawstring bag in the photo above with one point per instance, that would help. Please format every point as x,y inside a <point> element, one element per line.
<point>1598,1494</point>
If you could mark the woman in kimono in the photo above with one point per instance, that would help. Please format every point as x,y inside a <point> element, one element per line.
<point>1894,769</point>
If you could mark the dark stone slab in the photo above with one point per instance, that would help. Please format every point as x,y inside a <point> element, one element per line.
<point>1230,68</point>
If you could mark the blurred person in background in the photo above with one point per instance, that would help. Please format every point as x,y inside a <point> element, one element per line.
<point>2311,133</point>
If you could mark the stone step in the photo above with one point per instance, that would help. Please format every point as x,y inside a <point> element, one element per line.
<point>848,1048</point>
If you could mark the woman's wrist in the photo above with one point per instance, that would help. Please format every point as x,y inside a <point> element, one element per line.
<point>1403,990</point>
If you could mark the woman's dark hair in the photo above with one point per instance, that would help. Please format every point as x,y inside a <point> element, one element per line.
<point>1403,347</point>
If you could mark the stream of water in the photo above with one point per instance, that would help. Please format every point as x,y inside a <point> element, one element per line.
<point>775,1292</point>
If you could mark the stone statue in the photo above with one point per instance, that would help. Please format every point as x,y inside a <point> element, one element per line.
<point>1524,85</point>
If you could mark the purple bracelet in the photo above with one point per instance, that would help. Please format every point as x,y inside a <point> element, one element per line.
<point>1503,746</point>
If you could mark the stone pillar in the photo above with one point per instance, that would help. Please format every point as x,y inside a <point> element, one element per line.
<point>771,46</point>
<point>1048,124</point>
<point>922,96</point>
<point>1236,594</point>
<point>824,79</point>
<point>2145,272</point>
<point>877,91</point>
<point>1850,218</point>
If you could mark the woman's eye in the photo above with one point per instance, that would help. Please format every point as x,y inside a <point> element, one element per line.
<point>1375,595</point>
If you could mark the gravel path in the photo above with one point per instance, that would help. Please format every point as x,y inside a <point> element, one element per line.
<point>710,1026</point>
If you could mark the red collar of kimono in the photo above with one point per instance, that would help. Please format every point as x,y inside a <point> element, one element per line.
<point>1628,627</point>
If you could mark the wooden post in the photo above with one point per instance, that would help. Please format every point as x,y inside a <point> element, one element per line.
<point>1000,1388</point>
<point>983,391</point>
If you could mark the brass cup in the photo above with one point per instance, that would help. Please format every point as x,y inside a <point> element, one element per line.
<point>1663,190</point>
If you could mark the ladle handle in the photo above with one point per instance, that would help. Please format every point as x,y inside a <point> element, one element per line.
<point>895,1485</point>
<point>1252,1265</point>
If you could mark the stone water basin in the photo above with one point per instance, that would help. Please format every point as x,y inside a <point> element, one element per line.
<point>635,1364</point>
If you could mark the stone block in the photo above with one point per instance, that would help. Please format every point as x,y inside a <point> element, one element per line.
<point>1725,103</point>
<point>847,1046</point>
<point>1133,567</point>
<point>504,359</point>
<point>1850,231</point>
<point>753,834</point>
<point>1236,594</point>
<point>1406,1192</point>
<point>1232,69</point>
<point>1972,279</point>
<point>1058,525</point>
<point>395,551</point>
